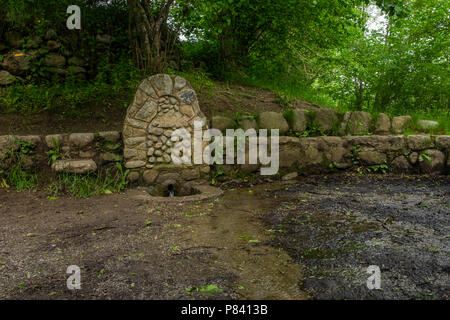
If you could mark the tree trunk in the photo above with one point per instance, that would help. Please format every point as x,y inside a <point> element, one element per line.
<point>147,24</point>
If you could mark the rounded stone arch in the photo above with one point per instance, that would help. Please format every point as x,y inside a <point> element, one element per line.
<point>162,104</point>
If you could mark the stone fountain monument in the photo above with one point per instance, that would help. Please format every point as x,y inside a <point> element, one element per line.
<point>162,104</point>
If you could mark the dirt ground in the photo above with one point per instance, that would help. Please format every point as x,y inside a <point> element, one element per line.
<point>310,238</point>
<point>337,226</point>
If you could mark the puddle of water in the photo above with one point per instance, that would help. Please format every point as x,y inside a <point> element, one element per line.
<point>241,240</point>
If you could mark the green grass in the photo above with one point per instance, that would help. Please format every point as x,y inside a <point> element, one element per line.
<point>17,177</point>
<point>113,85</point>
<point>288,90</point>
<point>85,186</point>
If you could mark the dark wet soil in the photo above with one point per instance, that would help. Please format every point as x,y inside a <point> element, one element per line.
<point>337,226</point>
<point>309,238</point>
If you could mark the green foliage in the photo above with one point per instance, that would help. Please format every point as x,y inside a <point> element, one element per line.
<point>84,186</point>
<point>54,153</point>
<point>15,175</point>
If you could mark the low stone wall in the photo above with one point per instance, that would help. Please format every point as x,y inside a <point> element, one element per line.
<point>74,152</point>
<point>324,121</point>
<point>87,152</point>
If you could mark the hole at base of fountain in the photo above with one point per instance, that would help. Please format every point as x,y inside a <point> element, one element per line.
<point>173,190</point>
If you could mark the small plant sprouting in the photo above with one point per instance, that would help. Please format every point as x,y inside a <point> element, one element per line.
<point>425,156</point>
<point>218,174</point>
<point>55,153</point>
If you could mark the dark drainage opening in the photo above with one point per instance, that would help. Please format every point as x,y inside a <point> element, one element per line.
<point>173,190</point>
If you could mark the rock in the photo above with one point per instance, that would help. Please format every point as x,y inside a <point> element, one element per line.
<point>50,34</point>
<point>58,71</point>
<point>273,120</point>
<point>246,124</point>
<point>419,142</point>
<point>187,96</point>
<point>76,70</point>
<point>168,178</point>
<point>55,60</point>
<point>17,63</point>
<point>103,38</point>
<point>111,157</point>
<point>129,153</point>
<point>325,118</point>
<point>75,61</point>
<point>414,158</point>
<point>290,176</point>
<point>427,124</point>
<point>74,166</point>
<point>356,123</point>
<point>110,135</point>
<point>81,139</point>
<point>222,123</point>
<point>13,39</point>
<point>379,143</point>
<point>135,164</point>
<point>6,78</point>
<point>51,139</point>
<point>52,45</point>
<point>190,174</point>
<point>400,165</point>
<point>134,141</point>
<point>133,176</point>
<point>150,176</point>
<point>372,157</point>
<point>401,124</point>
<point>383,124</point>
<point>436,165</point>
<point>443,142</point>
<point>299,121</point>
<point>179,83</point>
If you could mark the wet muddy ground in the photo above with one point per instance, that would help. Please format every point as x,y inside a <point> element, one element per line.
<point>337,226</point>
<point>310,238</point>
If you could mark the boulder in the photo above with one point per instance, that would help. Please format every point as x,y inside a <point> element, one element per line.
<point>372,157</point>
<point>427,124</point>
<point>104,38</point>
<point>222,123</point>
<point>436,165</point>
<point>76,70</point>
<point>17,63</point>
<point>326,118</point>
<point>401,124</point>
<point>383,124</point>
<point>75,61</point>
<point>74,166</point>
<point>400,165</point>
<point>6,78</point>
<point>246,124</point>
<point>52,45</point>
<point>356,123</point>
<point>299,121</point>
<point>50,34</point>
<point>443,142</point>
<point>273,120</point>
<point>55,60</point>
<point>419,142</point>
<point>290,176</point>
<point>81,139</point>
